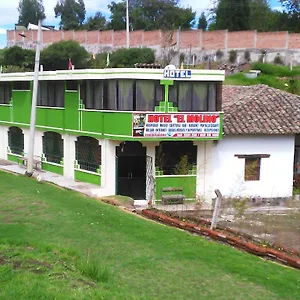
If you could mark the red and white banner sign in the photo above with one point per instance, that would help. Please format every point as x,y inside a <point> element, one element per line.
<point>180,125</point>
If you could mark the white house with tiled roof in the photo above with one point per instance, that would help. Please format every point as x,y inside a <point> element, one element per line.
<point>259,152</point>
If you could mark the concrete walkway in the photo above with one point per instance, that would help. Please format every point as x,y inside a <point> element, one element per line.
<point>87,189</point>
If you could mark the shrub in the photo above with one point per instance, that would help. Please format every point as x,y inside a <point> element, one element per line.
<point>278,60</point>
<point>219,54</point>
<point>56,56</point>
<point>232,56</point>
<point>127,58</point>
<point>183,166</point>
<point>247,56</point>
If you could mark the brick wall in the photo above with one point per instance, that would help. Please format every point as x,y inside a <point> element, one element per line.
<point>211,40</point>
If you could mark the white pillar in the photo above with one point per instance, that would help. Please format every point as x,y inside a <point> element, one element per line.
<point>69,155</point>
<point>4,141</point>
<point>204,181</point>
<point>109,166</point>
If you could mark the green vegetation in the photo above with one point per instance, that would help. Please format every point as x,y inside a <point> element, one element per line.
<point>57,244</point>
<point>124,58</point>
<point>56,56</point>
<point>280,77</point>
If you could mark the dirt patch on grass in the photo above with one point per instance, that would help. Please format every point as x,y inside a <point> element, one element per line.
<point>119,201</point>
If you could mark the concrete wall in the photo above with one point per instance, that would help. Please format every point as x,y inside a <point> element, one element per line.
<point>201,44</point>
<point>276,172</point>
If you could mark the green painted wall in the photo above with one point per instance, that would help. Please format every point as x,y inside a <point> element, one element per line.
<point>87,177</point>
<point>71,110</point>
<point>92,121</point>
<point>50,117</point>
<point>53,168</point>
<point>187,182</point>
<point>5,113</point>
<point>21,106</point>
<point>13,157</point>
<point>117,123</point>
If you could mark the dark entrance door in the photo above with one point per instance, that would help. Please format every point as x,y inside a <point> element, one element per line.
<point>131,170</point>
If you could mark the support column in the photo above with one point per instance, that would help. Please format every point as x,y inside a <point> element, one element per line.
<point>69,155</point>
<point>4,141</point>
<point>204,181</point>
<point>109,166</point>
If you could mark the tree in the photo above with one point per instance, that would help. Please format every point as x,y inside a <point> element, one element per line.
<point>151,15</point>
<point>293,11</point>
<point>118,15</point>
<point>19,57</point>
<point>233,15</point>
<point>126,58</point>
<point>56,56</point>
<point>259,15</point>
<point>98,22</point>
<point>31,11</point>
<point>71,12</point>
<point>202,22</point>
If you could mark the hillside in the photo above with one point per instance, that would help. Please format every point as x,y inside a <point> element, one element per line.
<point>280,77</point>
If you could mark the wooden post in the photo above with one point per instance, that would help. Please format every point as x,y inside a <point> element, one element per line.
<point>216,210</point>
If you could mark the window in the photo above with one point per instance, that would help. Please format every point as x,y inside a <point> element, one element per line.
<point>5,92</point>
<point>176,158</point>
<point>51,93</point>
<point>88,153</point>
<point>21,85</point>
<point>194,96</point>
<point>91,93</point>
<point>71,85</point>
<point>252,165</point>
<point>16,140</point>
<point>252,169</point>
<point>53,147</point>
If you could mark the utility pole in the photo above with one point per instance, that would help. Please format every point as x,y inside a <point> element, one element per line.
<point>127,24</point>
<point>29,171</point>
<point>178,44</point>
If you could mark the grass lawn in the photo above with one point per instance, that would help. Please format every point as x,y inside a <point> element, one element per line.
<point>279,77</point>
<point>57,244</point>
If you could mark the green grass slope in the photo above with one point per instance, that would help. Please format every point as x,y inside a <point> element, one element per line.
<point>280,77</point>
<point>57,244</point>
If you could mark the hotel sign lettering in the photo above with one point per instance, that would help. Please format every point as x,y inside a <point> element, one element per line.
<point>176,125</point>
<point>169,73</point>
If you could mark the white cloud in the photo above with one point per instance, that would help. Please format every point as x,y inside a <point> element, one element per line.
<point>279,8</point>
<point>2,31</point>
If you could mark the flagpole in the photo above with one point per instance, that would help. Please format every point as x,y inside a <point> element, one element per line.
<point>30,156</point>
<point>127,24</point>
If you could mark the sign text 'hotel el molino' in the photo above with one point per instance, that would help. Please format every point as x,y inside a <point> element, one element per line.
<point>184,125</point>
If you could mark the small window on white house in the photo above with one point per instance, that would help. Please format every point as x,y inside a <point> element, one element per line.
<point>252,169</point>
<point>252,165</point>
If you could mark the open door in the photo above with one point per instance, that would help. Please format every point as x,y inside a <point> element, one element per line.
<point>131,170</point>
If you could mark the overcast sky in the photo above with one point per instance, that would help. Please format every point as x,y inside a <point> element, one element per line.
<point>10,14</point>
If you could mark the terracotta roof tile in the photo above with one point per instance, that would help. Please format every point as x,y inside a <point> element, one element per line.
<point>260,109</point>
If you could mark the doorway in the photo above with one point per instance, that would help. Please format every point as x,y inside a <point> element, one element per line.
<point>131,170</point>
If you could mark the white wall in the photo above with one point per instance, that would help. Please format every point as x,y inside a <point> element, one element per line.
<point>276,172</point>
<point>204,181</point>
<point>3,141</point>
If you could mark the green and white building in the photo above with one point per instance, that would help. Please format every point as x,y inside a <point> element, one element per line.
<point>129,131</point>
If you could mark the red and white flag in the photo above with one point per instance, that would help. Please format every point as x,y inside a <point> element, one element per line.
<point>70,64</point>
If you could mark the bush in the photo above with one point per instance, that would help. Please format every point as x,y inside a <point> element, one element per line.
<point>247,56</point>
<point>219,54</point>
<point>56,56</point>
<point>232,56</point>
<point>278,60</point>
<point>22,59</point>
<point>127,58</point>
